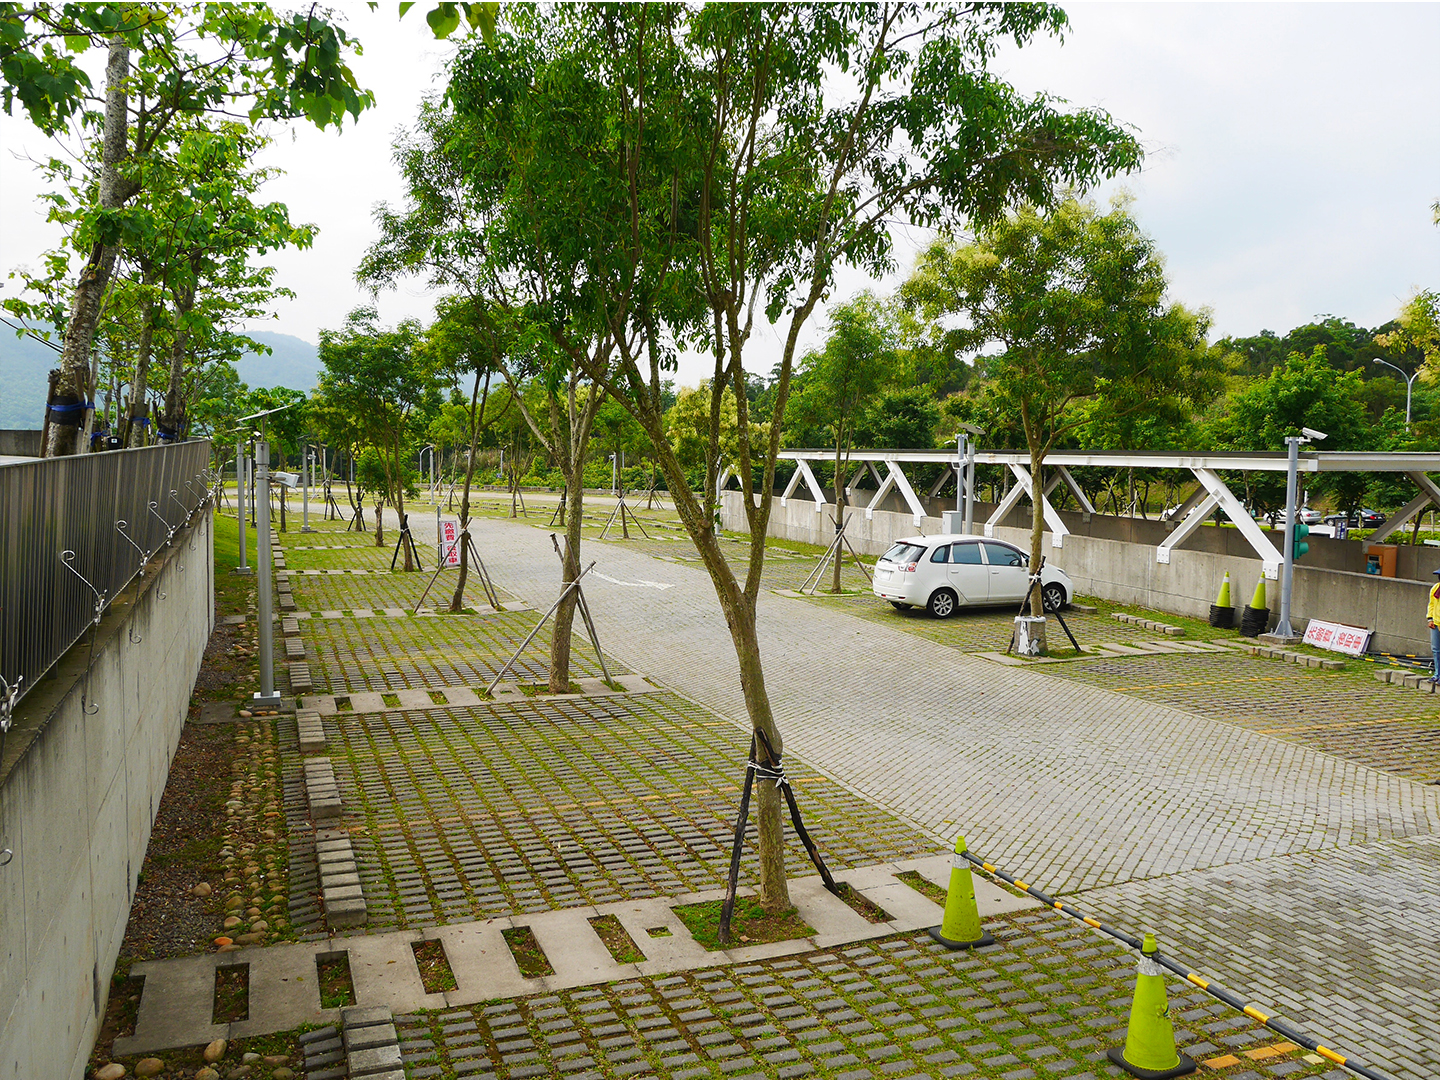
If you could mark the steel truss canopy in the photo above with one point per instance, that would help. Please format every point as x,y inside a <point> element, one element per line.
<point>1210,496</point>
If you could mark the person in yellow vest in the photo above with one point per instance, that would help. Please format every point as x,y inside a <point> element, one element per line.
<point>1432,620</point>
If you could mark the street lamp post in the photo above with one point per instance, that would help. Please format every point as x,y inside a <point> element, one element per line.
<point>1409,383</point>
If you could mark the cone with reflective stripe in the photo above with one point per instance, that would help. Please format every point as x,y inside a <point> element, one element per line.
<point>961,927</point>
<point>1149,1049</point>
<point>1223,600</point>
<point>1258,600</point>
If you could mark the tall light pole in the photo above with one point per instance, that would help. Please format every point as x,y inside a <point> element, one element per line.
<point>268,695</point>
<point>1409,383</point>
<point>1287,577</point>
<point>968,438</point>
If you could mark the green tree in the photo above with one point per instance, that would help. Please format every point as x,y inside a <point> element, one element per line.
<point>385,381</point>
<point>714,169</point>
<point>164,63</point>
<point>1304,391</point>
<point>1074,299</point>
<point>834,385</point>
<point>467,339</point>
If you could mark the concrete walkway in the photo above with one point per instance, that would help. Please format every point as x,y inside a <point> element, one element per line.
<point>1285,872</point>
<point>284,990</point>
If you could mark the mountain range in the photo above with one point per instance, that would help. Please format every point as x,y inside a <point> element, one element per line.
<point>25,366</point>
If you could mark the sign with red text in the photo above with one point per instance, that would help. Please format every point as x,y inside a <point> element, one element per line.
<point>1337,637</point>
<point>449,543</point>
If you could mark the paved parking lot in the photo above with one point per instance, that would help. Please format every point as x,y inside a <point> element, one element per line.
<point>1071,785</point>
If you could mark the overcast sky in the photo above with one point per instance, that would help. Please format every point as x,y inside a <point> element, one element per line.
<point>1293,155</point>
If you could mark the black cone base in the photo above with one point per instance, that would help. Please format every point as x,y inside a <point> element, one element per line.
<point>979,943</point>
<point>1117,1055</point>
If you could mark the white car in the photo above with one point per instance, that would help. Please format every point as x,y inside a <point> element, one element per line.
<point>944,572</point>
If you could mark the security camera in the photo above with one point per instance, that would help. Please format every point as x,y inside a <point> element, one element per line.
<point>1311,433</point>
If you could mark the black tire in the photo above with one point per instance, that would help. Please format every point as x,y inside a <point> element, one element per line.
<point>942,603</point>
<point>900,605</point>
<point>1053,597</point>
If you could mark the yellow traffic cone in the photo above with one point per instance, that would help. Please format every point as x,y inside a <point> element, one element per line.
<point>1149,1049</point>
<point>1223,600</point>
<point>1258,600</point>
<point>961,927</point>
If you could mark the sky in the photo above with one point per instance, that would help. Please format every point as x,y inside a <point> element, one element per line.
<point>1293,154</point>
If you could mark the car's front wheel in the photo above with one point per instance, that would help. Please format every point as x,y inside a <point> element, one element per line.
<point>1052,596</point>
<point>942,603</point>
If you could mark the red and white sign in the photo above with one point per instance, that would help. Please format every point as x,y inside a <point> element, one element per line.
<point>1337,637</point>
<point>449,543</point>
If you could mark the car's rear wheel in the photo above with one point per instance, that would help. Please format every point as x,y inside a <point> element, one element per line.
<point>1052,596</point>
<point>943,603</point>
<point>900,605</point>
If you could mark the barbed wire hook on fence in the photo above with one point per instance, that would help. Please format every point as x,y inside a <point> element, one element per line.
<point>120,527</point>
<point>169,529</point>
<point>68,558</point>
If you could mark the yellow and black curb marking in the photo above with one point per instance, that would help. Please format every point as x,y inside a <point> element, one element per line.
<point>1215,990</point>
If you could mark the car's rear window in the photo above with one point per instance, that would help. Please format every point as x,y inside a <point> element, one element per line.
<point>904,553</point>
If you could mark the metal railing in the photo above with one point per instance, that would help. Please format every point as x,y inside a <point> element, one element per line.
<point>74,532</point>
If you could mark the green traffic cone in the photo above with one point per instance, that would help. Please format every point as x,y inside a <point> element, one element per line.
<point>1223,600</point>
<point>1149,1050</point>
<point>1258,600</point>
<point>961,927</point>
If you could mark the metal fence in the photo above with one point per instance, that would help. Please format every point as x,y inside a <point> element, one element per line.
<point>74,532</point>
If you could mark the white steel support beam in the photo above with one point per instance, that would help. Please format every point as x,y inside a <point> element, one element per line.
<point>1224,499</point>
<point>896,480</point>
<point>1023,486</point>
<point>1429,494</point>
<point>1080,496</point>
<point>1201,506</point>
<point>816,490</point>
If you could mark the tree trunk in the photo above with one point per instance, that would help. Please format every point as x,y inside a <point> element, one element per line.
<point>1037,527</point>
<point>839,509</point>
<point>457,602</point>
<point>564,633</point>
<point>68,433</point>
<point>134,433</point>
<point>379,525</point>
<point>774,893</point>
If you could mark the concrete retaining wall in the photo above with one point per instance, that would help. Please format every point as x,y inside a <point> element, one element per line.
<point>78,795</point>
<point>20,442</point>
<point>1114,559</point>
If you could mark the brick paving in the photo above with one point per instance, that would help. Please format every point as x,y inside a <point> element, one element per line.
<point>1074,787</point>
<point>434,651</point>
<point>460,814</point>
<point>1046,1003</point>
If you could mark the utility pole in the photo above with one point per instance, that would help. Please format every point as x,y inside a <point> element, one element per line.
<point>1287,576</point>
<point>267,695</point>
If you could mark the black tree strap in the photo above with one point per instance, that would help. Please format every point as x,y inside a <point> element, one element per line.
<point>67,410</point>
<point>728,907</point>
<point>770,769</point>
<point>800,829</point>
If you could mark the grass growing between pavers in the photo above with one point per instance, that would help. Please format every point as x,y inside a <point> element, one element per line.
<point>616,939</point>
<point>530,958</point>
<point>384,654</point>
<point>470,813</point>
<point>1048,1000</point>
<point>337,990</point>
<point>750,923</point>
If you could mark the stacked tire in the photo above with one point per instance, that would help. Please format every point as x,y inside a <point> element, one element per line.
<point>1254,621</point>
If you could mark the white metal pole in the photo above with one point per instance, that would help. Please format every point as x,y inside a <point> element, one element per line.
<point>1282,628</point>
<point>241,461</point>
<point>969,487</point>
<point>262,572</point>
<point>305,488</point>
<point>960,475</point>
